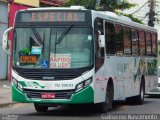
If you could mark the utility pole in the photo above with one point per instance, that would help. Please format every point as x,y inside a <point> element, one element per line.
<point>152,4</point>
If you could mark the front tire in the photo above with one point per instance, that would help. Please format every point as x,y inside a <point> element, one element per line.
<point>39,108</point>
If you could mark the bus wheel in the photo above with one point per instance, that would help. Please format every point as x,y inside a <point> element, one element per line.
<point>140,98</point>
<point>107,105</point>
<point>39,108</point>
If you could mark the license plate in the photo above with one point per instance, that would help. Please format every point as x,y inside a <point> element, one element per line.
<point>48,95</point>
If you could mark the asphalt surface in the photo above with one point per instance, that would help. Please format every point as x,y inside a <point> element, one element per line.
<point>121,109</point>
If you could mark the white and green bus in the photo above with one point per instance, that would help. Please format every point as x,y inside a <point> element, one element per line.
<point>75,56</point>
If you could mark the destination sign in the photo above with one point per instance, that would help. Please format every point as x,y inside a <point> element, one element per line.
<point>28,59</point>
<point>55,16</point>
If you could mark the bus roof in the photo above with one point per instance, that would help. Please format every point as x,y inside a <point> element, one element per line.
<point>57,8</point>
<point>109,16</point>
<point>112,17</point>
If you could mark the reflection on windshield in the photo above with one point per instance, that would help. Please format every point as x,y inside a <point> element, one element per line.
<point>38,39</point>
<point>63,34</point>
<point>65,48</point>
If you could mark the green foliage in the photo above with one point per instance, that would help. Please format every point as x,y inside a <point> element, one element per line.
<point>112,5</point>
<point>105,5</point>
<point>89,4</point>
<point>133,18</point>
<point>125,5</point>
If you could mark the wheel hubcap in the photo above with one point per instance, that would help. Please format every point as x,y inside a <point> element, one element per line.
<point>142,94</point>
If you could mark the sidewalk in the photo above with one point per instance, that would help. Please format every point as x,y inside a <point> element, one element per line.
<point>5,93</point>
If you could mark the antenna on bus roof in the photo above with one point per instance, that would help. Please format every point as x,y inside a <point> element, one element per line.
<point>109,13</point>
<point>77,7</point>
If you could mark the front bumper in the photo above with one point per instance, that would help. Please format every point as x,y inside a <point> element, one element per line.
<point>84,96</point>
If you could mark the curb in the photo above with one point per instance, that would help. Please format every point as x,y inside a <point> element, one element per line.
<point>3,105</point>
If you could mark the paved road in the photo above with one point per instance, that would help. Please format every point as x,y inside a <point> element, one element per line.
<point>27,112</point>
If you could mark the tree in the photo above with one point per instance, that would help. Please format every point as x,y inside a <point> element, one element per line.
<point>89,4</point>
<point>133,18</point>
<point>112,5</point>
<point>105,5</point>
<point>152,13</point>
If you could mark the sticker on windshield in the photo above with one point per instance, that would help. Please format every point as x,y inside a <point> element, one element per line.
<point>60,60</point>
<point>36,50</point>
<point>28,59</point>
<point>89,37</point>
<point>45,63</point>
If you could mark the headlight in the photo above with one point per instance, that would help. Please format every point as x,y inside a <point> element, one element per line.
<point>20,87</point>
<point>14,81</point>
<point>87,82</point>
<point>83,84</point>
<point>17,84</point>
<point>79,86</point>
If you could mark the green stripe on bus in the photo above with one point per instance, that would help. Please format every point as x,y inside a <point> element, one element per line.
<point>84,96</point>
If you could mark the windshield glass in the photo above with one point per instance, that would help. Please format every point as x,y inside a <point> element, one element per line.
<point>64,47</point>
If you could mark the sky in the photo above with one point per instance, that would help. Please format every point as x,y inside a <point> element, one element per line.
<point>141,13</point>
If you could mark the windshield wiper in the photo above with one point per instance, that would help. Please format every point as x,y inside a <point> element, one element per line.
<point>38,37</point>
<point>63,34</point>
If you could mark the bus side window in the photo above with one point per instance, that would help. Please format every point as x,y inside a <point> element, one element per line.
<point>118,39</point>
<point>134,42</point>
<point>148,43</point>
<point>99,52</point>
<point>154,44</point>
<point>142,49</point>
<point>127,40</point>
<point>109,38</point>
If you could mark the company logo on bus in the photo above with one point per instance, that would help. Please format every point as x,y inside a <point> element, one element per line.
<point>48,78</point>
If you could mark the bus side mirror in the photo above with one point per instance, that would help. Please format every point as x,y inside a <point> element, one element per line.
<point>5,40</point>
<point>101,40</point>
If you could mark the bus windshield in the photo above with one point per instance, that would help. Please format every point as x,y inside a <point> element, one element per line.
<point>57,47</point>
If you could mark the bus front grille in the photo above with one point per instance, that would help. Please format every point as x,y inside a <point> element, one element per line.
<point>49,74</point>
<point>59,94</point>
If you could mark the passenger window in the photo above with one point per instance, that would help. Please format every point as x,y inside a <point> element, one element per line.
<point>142,49</point>
<point>99,61</point>
<point>134,42</point>
<point>127,40</point>
<point>109,38</point>
<point>154,44</point>
<point>118,39</point>
<point>148,43</point>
